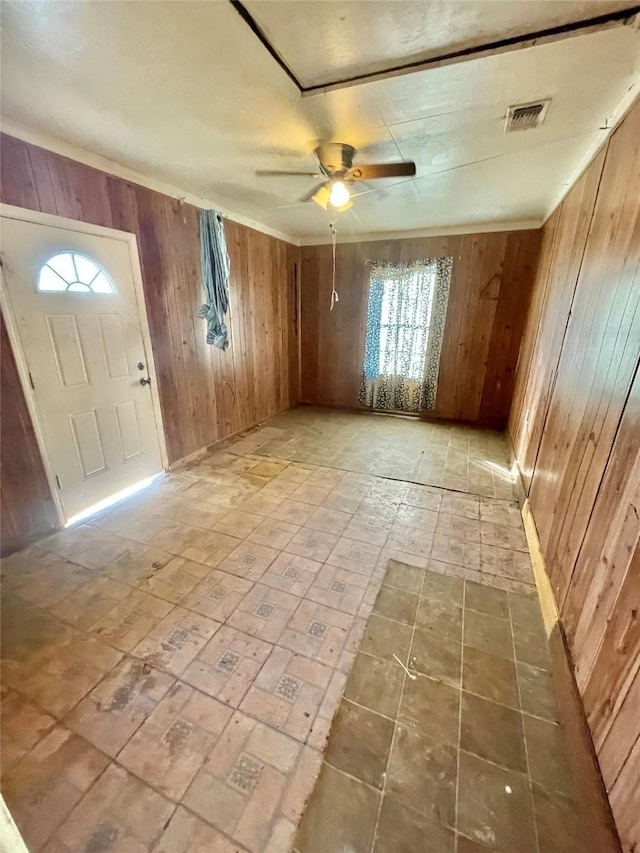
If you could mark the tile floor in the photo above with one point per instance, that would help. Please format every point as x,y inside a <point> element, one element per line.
<point>171,668</point>
<point>460,751</point>
<point>451,456</point>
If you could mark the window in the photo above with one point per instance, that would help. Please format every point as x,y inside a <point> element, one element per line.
<point>71,271</point>
<point>405,324</point>
<point>405,321</point>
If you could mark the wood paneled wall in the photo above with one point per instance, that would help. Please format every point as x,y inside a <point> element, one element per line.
<point>26,509</point>
<point>205,394</point>
<point>490,289</point>
<point>575,427</point>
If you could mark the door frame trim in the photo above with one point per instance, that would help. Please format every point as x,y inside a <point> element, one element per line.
<point>9,211</point>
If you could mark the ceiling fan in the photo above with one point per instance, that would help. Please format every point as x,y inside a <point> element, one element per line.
<point>339,174</point>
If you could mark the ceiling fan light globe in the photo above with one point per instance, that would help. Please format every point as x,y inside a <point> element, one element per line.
<point>340,195</point>
<point>322,197</point>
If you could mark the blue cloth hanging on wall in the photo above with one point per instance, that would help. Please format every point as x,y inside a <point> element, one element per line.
<point>214,261</point>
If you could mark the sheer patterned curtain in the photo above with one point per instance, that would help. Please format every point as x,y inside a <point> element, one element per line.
<point>405,326</point>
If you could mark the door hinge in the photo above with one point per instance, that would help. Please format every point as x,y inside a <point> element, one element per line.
<point>31,381</point>
<point>58,482</point>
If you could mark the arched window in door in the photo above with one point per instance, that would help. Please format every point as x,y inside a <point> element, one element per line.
<point>72,271</point>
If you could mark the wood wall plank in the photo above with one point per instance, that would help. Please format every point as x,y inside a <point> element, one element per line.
<point>27,508</point>
<point>490,288</point>
<point>575,427</point>
<point>625,801</point>
<point>597,363</point>
<point>205,394</point>
<point>565,237</point>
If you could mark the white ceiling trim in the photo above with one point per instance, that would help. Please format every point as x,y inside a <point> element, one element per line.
<point>104,164</point>
<point>612,121</point>
<point>451,231</point>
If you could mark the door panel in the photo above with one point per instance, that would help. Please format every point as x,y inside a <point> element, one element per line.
<point>127,419</point>
<point>113,345</point>
<point>67,349</point>
<point>83,348</point>
<point>86,436</point>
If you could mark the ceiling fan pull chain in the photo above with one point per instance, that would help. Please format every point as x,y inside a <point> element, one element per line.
<point>334,235</point>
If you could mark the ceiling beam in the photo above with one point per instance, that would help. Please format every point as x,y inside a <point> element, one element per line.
<point>624,17</point>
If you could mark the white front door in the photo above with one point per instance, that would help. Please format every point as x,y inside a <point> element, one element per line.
<point>73,300</point>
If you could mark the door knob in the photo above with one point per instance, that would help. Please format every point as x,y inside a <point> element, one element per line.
<point>146,381</point>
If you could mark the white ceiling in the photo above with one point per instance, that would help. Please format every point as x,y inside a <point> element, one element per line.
<point>184,93</point>
<point>345,38</point>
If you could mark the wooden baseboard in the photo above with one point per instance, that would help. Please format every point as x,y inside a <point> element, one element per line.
<point>543,584</point>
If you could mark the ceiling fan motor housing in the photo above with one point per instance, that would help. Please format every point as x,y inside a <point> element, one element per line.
<point>335,157</point>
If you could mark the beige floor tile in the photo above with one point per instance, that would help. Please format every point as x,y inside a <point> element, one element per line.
<point>136,564</point>
<point>300,785</point>
<point>343,500</point>
<point>69,675</point>
<point>22,726</point>
<point>464,506</point>
<point>261,504</point>
<point>249,560</point>
<point>288,692</point>
<point>457,552</point>
<point>174,642</point>
<point>273,533</point>
<point>187,833</point>
<point>364,528</point>
<point>131,620</point>
<point>86,546</point>
<point>119,813</point>
<point>212,548</point>
<point>313,544</point>
<point>292,574</point>
<point>88,605</point>
<point>504,536</point>
<point>113,710</point>
<point>49,781</point>
<point>218,595</point>
<point>174,581</point>
<point>227,665</point>
<point>410,540</point>
<point>317,632</point>
<point>506,563</point>
<point>329,521</point>
<point>240,787</point>
<point>338,588</point>
<point>293,512</point>
<point>310,493</point>
<point>458,527</point>
<point>354,555</point>
<point>412,516</point>
<point>171,745</point>
<point>264,612</point>
<point>238,523</point>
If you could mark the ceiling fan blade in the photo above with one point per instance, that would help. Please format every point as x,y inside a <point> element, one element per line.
<point>382,170</point>
<point>275,172</point>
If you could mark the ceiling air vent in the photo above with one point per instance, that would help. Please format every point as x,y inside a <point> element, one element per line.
<point>526,116</point>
